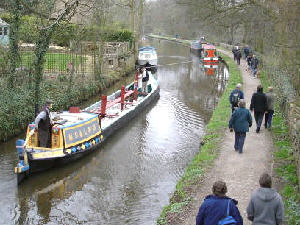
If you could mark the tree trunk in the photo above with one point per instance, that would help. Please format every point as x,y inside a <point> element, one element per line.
<point>42,46</point>
<point>14,55</point>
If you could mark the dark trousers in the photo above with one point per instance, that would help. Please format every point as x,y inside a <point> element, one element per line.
<point>268,118</point>
<point>239,141</point>
<point>234,57</point>
<point>258,118</point>
<point>44,138</point>
<point>233,108</point>
<point>238,60</point>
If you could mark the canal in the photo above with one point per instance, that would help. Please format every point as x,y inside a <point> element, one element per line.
<point>132,176</point>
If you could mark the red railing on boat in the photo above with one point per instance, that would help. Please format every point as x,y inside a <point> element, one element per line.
<point>124,95</point>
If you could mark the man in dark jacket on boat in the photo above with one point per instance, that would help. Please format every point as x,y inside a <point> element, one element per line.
<point>215,206</point>
<point>265,206</point>
<point>259,105</point>
<point>43,125</point>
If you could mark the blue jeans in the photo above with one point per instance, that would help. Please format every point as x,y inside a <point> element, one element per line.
<point>268,118</point>
<point>239,141</point>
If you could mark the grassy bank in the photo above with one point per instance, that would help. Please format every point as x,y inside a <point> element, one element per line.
<point>208,152</point>
<point>284,166</point>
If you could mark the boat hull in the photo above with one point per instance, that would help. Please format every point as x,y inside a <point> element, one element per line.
<point>196,51</point>
<point>38,165</point>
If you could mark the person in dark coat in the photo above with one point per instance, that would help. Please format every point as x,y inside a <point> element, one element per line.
<point>240,122</point>
<point>43,125</point>
<point>246,51</point>
<point>266,205</point>
<point>254,65</point>
<point>235,96</point>
<point>249,59</point>
<point>238,56</point>
<point>259,105</point>
<point>214,207</point>
<point>234,49</point>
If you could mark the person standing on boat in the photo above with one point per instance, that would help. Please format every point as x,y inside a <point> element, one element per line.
<point>43,125</point>
<point>145,78</point>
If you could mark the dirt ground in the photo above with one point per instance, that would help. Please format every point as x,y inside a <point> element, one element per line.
<point>240,171</point>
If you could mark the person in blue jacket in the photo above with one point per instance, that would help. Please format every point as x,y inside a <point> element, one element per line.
<point>235,96</point>
<point>240,122</point>
<point>214,207</point>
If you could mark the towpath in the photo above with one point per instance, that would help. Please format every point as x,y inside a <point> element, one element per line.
<point>240,171</point>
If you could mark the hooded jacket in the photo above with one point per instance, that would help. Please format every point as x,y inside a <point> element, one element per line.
<point>265,207</point>
<point>214,208</point>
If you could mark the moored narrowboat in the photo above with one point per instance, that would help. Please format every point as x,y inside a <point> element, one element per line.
<point>148,55</point>
<point>209,55</point>
<point>196,47</point>
<point>76,132</point>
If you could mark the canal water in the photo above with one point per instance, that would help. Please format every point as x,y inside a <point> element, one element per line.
<point>132,176</point>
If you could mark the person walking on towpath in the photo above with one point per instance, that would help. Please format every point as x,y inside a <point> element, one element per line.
<point>259,105</point>
<point>238,56</point>
<point>214,207</point>
<point>234,49</point>
<point>240,122</point>
<point>235,96</point>
<point>249,59</point>
<point>270,108</point>
<point>254,65</point>
<point>265,206</point>
<point>246,51</point>
<point>43,125</point>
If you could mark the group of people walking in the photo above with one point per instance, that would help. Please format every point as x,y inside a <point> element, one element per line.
<point>262,104</point>
<point>251,59</point>
<point>265,206</point>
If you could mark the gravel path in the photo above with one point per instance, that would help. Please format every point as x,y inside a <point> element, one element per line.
<point>240,171</point>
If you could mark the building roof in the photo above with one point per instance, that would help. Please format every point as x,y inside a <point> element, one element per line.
<point>3,23</point>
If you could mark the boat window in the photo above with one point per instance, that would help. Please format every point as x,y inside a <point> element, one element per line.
<point>5,30</point>
<point>0,30</point>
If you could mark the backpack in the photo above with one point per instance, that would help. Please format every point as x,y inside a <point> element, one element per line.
<point>235,99</point>
<point>227,220</point>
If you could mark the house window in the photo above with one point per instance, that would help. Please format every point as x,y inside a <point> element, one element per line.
<point>111,62</point>
<point>5,30</point>
<point>0,30</point>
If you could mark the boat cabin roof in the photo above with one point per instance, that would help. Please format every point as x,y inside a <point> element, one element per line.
<point>147,48</point>
<point>66,119</point>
